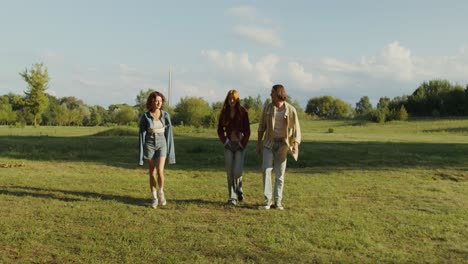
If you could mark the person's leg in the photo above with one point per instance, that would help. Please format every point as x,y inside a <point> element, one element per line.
<point>238,170</point>
<point>267,167</point>
<point>280,161</point>
<point>159,157</point>
<point>152,181</point>
<point>229,165</point>
<point>160,170</point>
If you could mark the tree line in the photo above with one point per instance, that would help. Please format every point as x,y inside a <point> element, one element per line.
<point>436,98</point>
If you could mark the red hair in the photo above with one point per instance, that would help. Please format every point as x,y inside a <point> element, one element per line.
<point>225,116</point>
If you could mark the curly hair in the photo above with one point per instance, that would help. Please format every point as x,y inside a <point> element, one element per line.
<point>152,98</point>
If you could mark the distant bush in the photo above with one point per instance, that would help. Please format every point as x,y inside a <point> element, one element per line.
<point>331,130</point>
<point>402,114</point>
<point>118,132</point>
<point>18,125</point>
<point>377,116</point>
<point>132,124</point>
<point>184,130</point>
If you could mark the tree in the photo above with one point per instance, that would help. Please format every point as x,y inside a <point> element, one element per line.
<point>436,97</point>
<point>61,114</point>
<point>103,113</point>
<point>191,111</point>
<point>402,114</point>
<point>37,79</point>
<point>125,115</point>
<point>78,111</point>
<point>363,107</point>
<point>95,118</point>
<point>141,100</point>
<point>320,106</point>
<point>328,107</point>
<point>340,109</point>
<point>7,115</point>
<point>254,106</point>
<point>16,101</point>
<point>383,103</point>
<point>50,114</point>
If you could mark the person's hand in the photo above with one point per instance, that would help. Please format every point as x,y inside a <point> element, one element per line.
<point>240,145</point>
<point>259,148</point>
<point>295,148</point>
<point>227,142</point>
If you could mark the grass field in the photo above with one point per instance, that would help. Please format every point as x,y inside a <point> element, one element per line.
<point>366,193</point>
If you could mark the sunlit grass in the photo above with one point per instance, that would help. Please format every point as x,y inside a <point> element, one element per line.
<point>356,195</point>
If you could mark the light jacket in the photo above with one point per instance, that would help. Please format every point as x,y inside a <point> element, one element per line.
<point>267,124</point>
<point>147,123</point>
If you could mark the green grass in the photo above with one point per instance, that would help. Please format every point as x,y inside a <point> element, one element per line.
<point>365,193</point>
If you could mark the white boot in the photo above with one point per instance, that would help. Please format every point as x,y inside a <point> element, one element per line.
<point>162,199</point>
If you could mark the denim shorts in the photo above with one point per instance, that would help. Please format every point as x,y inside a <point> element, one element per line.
<point>155,146</point>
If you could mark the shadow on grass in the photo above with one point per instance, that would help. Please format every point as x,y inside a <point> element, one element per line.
<point>206,154</point>
<point>462,130</point>
<point>69,196</point>
<point>200,202</point>
<point>81,196</point>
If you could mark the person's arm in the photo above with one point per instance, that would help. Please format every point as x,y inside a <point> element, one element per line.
<point>221,132</point>
<point>296,133</point>
<point>246,132</point>
<point>142,134</point>
<point>261,131</point>
<point>169,140</point>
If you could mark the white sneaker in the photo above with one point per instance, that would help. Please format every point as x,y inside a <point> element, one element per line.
<point>154,203</point>
<point>162,199</point>
<point>267,204</point>
<point>279,207</point>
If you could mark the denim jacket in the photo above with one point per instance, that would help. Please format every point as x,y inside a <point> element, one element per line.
<point>147,123</point>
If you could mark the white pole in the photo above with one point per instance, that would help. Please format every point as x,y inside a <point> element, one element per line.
<point>169,88</point>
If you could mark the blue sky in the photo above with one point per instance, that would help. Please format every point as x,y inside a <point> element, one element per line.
<point>105,52</point>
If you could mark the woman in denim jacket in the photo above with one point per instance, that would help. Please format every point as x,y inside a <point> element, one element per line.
<point>234,133</point>
<point>156,144</point>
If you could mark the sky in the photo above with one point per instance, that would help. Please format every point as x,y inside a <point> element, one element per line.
<point>105,51</point>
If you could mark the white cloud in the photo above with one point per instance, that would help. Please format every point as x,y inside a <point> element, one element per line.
<point>397,60</point>
<point>243,12</point>
<point>305,80</point>
<point>335,65</point>
<point>453,68</point>
<point>248,13</point>
<point>125,70</point>
<point>51,56</point>
<point>130,74</point>
<point>209,90</point>
<point>265,69</point>
<point>51,92</point>
<point>87,82</point>
<point>394,62</point>
<point>260,35</point>
<point>250,29</point>
<point>230,60</point>
<point>241,68</point>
